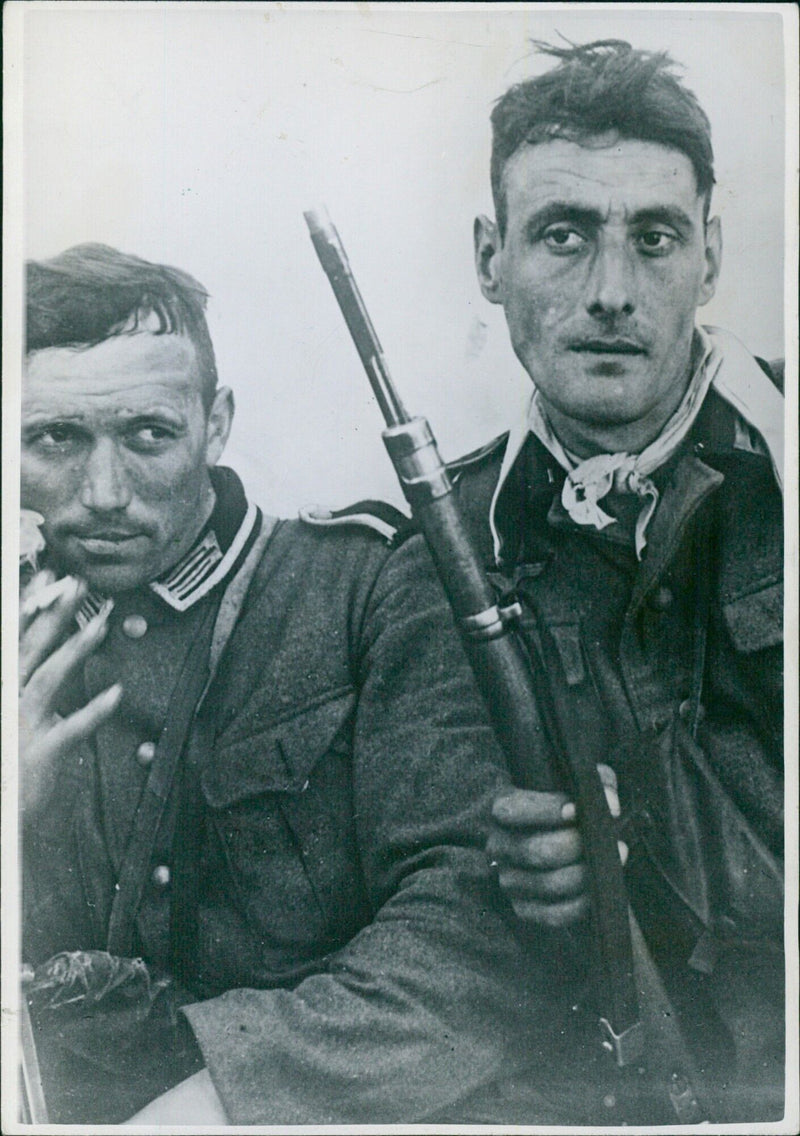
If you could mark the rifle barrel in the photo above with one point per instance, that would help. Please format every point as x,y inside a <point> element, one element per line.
<point>333,259</point>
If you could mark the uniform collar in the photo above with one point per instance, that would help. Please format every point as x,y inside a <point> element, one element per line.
<point>738,378</point>
<point>222,544</point>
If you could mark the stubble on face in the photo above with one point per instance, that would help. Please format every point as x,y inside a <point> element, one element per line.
<point>114,455</point>
<point>602,267</point>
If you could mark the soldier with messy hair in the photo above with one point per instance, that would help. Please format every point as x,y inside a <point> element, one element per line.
<point>635,512</point>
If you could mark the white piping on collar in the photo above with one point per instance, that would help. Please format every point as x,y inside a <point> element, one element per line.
<point>738,379</point>
<point>172,590</point>
<point>171,593</point>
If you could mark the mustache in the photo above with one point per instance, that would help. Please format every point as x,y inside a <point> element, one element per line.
<point>110,531</point>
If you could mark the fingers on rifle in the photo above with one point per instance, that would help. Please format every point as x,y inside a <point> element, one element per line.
<point>545,851</point>
<point>524,808</point>
<point>544,914</point>
<point>46,613</point>
<point>50,675</point>
<point>82,724</point>
<point>552,887</point>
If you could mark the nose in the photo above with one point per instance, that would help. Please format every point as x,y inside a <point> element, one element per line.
<point>105,485</point>
<point>611,284</point>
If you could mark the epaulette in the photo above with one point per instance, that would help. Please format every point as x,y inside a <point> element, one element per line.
<point>379,516</point>
<point>477,457</point>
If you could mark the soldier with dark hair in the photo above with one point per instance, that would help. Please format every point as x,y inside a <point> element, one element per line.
<point>255,788</point>
<point>636,514</point>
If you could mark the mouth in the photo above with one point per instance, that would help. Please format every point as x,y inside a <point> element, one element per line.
<point>106,543</point>
<point>607,346</point>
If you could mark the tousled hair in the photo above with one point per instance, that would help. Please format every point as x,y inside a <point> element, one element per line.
<point>92,292</point>
<point>597,88</point>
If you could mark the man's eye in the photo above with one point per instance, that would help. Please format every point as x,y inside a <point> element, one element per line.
<point>54,437</point>
<point>152,435</point>
<point>656,240</point>
<point>562,238</point>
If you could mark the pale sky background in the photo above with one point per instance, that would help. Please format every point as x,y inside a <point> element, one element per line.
<point>196,135</point>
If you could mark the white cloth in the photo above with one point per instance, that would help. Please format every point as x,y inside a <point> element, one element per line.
<point>724,363</point>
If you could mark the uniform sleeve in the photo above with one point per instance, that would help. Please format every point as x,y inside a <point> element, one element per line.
<point>423,1005</point>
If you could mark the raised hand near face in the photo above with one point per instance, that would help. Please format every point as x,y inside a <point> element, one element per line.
<point>49,656</point>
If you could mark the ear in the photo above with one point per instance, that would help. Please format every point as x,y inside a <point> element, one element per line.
<point>713,259</point>
<point>218,425</point>
<point>487,259</point>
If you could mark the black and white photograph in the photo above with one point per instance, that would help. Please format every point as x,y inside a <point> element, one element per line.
<point>400,477</point>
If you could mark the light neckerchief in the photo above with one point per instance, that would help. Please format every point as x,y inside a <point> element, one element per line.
<point>588,481</point>
<point>724,363</point>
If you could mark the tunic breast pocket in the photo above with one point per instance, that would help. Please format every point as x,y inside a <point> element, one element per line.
<point>755,619</point>
<point>280,815</point>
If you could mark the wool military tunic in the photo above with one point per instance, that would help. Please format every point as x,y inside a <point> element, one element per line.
<point>683,651</point>
<point>348,956</point>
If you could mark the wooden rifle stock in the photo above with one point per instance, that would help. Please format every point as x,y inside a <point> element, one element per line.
<point>495,653</point>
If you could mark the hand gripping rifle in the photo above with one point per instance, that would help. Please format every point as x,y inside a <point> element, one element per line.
<point>519,695</point>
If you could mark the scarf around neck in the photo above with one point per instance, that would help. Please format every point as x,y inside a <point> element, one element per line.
<point>724,363</point>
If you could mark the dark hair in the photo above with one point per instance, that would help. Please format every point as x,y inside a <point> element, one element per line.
<point>92,292</point>
<point>596,88</point>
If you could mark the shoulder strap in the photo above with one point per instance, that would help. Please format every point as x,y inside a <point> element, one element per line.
<point>386,520</point>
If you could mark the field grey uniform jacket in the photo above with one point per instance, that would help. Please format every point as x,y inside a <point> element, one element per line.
<point>354,961</point>
<point>684,653</point>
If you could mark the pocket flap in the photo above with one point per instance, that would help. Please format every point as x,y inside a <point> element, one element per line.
<point>755,621</point>
<point>277,758</point>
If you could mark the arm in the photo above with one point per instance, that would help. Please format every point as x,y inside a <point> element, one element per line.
<point>422,1005</point>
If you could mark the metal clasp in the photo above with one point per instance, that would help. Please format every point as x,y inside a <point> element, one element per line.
<point>627,1046</point>
<point>491,622</point>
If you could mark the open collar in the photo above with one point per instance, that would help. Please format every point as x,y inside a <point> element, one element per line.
<point>738,379</point>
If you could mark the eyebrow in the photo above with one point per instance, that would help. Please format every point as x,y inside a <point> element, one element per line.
<point>593,218</point>
<point>38,418</point>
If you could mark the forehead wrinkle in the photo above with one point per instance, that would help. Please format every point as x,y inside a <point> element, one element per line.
<point>559,162</point>
<point>142,354</point>
<point>100,410</point>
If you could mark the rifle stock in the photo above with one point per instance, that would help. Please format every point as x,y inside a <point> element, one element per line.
<point>495,654</point>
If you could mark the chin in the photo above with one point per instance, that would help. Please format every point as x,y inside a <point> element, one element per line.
<point>109,579</point>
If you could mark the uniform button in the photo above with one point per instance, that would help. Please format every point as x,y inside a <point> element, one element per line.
<point>662,599</point>
<point>145,754</point>
<point>134,626</point>
<point>161,876</point>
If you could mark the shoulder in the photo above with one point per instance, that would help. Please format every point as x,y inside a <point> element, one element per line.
<point>480,463</point>
<point>325,557</point>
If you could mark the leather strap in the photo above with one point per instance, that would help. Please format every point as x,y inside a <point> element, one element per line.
<point>195,677</point>
<point>188,837</point>
<point>570,714</point>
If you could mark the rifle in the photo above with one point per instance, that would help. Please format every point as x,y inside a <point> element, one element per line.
<point>517,692</point>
